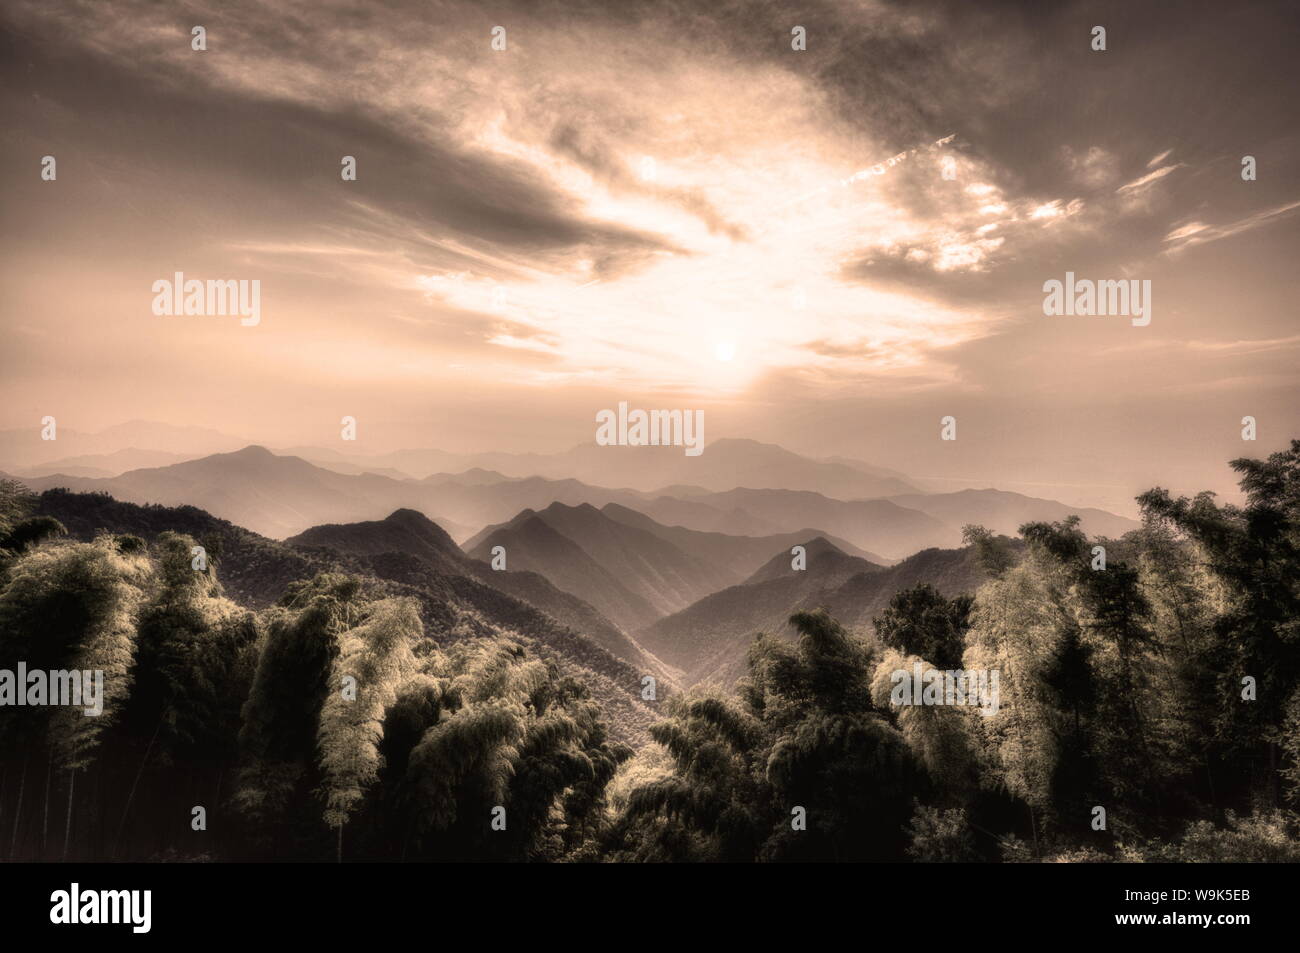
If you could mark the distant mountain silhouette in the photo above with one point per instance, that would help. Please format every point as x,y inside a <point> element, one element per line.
<point>24,449</point>
<point>826,564</point>
<point>474,476</point>
<point>724,464</point>
<point>533,544</point>
<point>105,464</point>
<point>272,495</point>
<point>280,496</point>
<point>878,526</point>
<point>715,631</point>
<point>1005,512</point>
<point>672,511</point>
<point>737,554</point>
<point>480,500</point>
<point>710,639</point>
<point>404,530</point>
<point>870,468</point>
<point>639,562</point>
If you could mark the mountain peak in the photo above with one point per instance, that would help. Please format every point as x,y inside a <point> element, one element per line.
<point>826,563</point>
<point>558,507</point>
<point>404,530</point>
<point>407,516</point>
<point>254,451</point>
<point>820,544</point>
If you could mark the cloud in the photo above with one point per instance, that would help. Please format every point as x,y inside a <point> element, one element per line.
<point>873,215</point>
<point>520,175</point>
<point>1145,181</point>
<point>1198,233</point>
<point>1095,168</point>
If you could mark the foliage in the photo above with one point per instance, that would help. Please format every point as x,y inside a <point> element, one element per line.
<point>920,621</point>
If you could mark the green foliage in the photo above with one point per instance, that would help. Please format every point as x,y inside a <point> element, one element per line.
<point>282,713</point>
<point>804,734</point>
<point>1269,838</point>
<point>940,836</point>
<point>16,501</point>
<point>484,726</point>
<point>920,621</point>
<point>993,551</point>
<point>19,530</point>
<point>944,739</point>
<point>708,808</point>
<point>74,607</point>
<point>1288,737</point>
<point>1016,631</point>
<point>1254,553</point>
<point>28,533</point>
<point>194,658</point>
<point>374,660</point>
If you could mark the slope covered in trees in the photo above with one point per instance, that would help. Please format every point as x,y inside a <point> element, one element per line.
<point>257,571</point>
<point>413,534</point>
<point>1146,706</point>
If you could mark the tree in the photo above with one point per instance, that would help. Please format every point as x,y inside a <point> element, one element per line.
<point>282,714</point>
<point>1105,619</point>
<point>1016,630</point>
<point>374,661</point>
<point>1254,551</point>
<point>920,621</point>
<point>993,552</point>
<point>19,530</point>
<point>711,806</point>
<point>73,607</point>
<point>483,729</point>
<point>804,743</point>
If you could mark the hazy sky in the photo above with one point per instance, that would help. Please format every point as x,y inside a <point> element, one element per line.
<point>639,202</point>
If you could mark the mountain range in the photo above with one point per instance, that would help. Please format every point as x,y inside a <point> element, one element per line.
<point>628,572</point>
<point>726,463</point>
<point>670,574</point>
<point>281,496</point>
<point>661,564</point>
<point>414,534</point>
<point>708,641</point>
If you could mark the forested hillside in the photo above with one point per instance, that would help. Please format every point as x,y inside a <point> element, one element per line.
<point>255,572</point>
<point>319,704</point>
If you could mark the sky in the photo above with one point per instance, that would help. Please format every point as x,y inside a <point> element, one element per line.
<point>664,203</point>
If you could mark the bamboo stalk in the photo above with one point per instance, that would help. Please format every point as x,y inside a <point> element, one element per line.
<point>67,826</point>
<point>18,811</point>
<point>131,797</point>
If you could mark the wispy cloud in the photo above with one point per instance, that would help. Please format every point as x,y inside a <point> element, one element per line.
<point>1145,181</point>
<point>1198,233</point>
